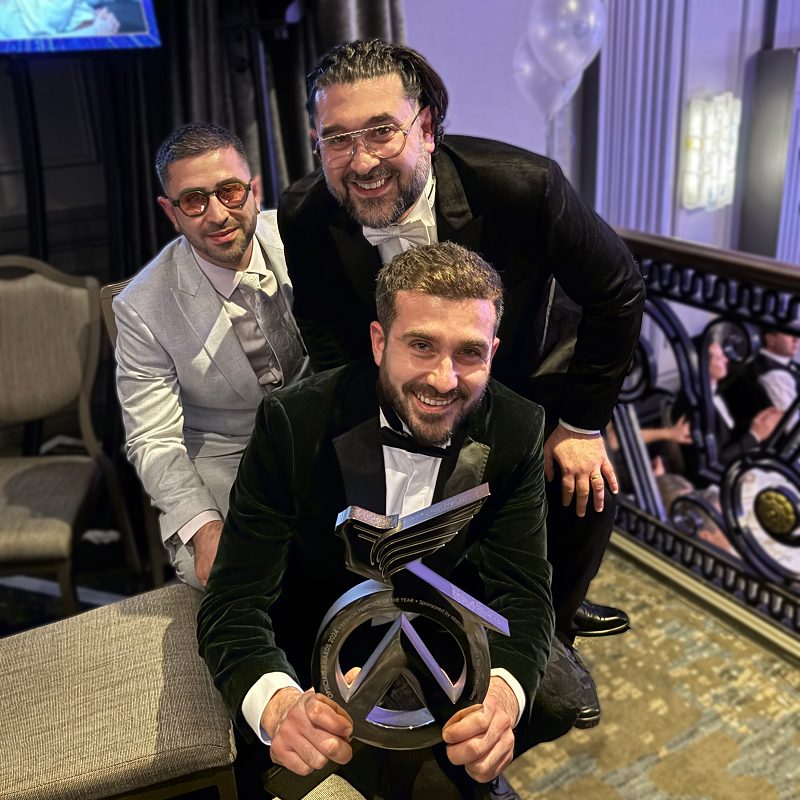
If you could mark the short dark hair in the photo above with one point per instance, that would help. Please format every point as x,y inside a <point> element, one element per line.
<point>445,270</point>
<point>194,139</point>
<point>361,61</point>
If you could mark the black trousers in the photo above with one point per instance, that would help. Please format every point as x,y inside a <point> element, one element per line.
<point>575,548</point>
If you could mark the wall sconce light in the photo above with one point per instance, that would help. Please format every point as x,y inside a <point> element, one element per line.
<point>712,139</point>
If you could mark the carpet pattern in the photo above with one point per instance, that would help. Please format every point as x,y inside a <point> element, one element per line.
<point>691,710</point>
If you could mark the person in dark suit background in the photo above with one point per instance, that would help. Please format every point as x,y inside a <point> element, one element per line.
<point>770,379</point>
<point>733,435</point>
<point>321,446</point>
<point>388,182</point>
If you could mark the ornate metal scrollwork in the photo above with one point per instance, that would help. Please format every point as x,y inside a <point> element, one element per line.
<point>757,560</point>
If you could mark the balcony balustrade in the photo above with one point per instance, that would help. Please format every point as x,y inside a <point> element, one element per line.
<point>724,510</point>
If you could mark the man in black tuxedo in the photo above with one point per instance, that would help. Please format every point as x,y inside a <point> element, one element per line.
<point>428,424</point>
<point>388,182</point>
<point>771,379</point>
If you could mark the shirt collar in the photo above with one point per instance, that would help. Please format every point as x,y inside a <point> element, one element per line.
<point>785,360</point>
<point>226,280</point>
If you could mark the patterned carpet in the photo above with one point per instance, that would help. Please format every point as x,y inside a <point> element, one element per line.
<point>691,710</point>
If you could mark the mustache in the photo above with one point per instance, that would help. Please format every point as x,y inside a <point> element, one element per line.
<point>423,390</point>
<point>373,175</point>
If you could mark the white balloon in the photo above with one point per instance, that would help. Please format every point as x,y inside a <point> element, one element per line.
<point>537,85</point>
<point>565,35</point>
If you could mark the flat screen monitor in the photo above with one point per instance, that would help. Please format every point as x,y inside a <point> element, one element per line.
<point>42,26</point>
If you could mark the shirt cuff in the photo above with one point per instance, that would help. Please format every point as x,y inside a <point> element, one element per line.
<point>575,429</point>
<point>515,687</point>
<point>256,699</point>
<point>185,532</point>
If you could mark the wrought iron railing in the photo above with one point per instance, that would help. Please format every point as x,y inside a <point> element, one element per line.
<point>725,508</point>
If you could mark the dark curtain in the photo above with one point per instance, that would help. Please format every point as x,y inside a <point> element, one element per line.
<point>237,63</point>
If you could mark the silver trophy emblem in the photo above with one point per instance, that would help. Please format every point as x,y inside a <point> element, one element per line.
<point>431,657</point>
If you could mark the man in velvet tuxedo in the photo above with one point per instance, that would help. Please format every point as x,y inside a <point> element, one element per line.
<point>428,424</point>
<point>389,182</point>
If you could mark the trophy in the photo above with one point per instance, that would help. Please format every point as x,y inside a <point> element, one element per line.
<point>406,597</point>
<point>427,652</point>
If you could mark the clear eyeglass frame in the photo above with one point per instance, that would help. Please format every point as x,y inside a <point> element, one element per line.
<point>341,147</point>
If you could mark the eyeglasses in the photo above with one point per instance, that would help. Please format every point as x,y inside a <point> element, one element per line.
<point>381,141</point>
<point>194,202</point>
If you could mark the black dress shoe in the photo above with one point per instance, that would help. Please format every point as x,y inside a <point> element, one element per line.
<point>596,620</point>
<point>588,701</point>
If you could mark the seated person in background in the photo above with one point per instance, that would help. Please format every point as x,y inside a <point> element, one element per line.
<point>732,438</point>
<point>205,333</point>
<point>428,423</point>
<point>771,378</point>
<point>672,486</point>
<point>678,433</point>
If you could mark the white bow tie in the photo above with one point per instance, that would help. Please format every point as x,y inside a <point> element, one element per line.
<point>415,233</point>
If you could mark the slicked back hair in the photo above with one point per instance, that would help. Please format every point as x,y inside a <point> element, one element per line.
<point>194,139</point>
<point>364,60</point>
<point>445,270</point>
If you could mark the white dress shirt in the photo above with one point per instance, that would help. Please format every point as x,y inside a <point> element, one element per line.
<point>779,383</point>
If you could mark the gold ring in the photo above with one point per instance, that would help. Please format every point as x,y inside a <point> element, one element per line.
<point>595,475</point>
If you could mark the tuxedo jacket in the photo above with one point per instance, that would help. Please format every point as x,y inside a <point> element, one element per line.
<point>731,442</point>
<point>519,212</point>
<point>748,388</point>
<point>316,450</point>
<point>187,390</point>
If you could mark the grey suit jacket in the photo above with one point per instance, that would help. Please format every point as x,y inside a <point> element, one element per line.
<point>187,391</point>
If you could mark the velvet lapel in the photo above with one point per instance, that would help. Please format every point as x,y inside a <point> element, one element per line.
<point>454,219</point>
<point>360,459</point>
<point>465,472</point>
<point>360,260</point>
<point>201,306</point>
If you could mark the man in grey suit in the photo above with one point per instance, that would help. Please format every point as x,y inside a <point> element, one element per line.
<point>205,332</point>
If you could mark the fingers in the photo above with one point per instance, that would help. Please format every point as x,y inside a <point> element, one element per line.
<point>598,490</point>
<point>337,710</point>
<point>481,741</point>
<point>494,762</point>
<point>314,731</point>
<point>567,489</point>
<point>454,731</point>
<point>583,486</point>
<point>611,477</point>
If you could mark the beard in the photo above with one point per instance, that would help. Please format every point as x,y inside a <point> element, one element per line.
<point>379,212</point>
<point>230,253</point>
<point>433,429</point>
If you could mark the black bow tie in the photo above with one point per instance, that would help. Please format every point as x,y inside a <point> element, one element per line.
<point>402,441</point>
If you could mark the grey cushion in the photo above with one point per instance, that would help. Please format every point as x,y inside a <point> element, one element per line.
<point>39,501</point>
<point>112,700</point>
<point>334,787</point>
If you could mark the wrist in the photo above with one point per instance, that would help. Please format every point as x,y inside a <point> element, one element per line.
<point>278,707</point>
<point>505,697</point>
